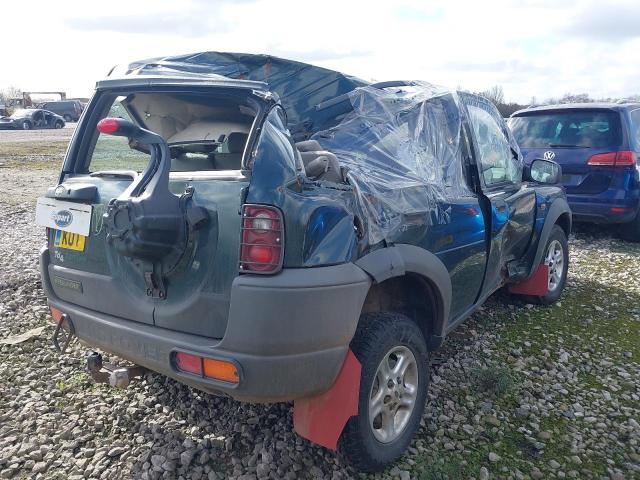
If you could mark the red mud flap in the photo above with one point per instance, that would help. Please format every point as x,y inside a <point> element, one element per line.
<point>322,418</point>
<point>537,285</point>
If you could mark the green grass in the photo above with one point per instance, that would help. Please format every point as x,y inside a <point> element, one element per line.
<point>495,379</point>
<point>574,325</point>
<point>114,153</point>
<point>74,383</point>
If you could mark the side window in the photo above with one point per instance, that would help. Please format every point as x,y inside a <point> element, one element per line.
<point>497,163</point>
<point>113,152</point>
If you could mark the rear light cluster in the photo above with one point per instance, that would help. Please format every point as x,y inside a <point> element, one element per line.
<point>262,239</point>
<point>56,314</point>
<point>206,367</point>
<point>614,159</point>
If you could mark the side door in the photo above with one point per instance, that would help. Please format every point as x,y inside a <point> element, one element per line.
<point>509,204</point>
<point>460,241</point>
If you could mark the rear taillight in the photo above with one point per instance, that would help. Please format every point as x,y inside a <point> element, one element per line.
<point>262,239</point>
<point>56,314</point>
<point>206,367</point>
<point>186,362</point>
<point>625,158</point>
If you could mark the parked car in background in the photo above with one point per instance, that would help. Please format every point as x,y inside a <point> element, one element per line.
<point>31,118</point>
<point>70,110</point>
<point>275,231</point>
<point>598,147</point>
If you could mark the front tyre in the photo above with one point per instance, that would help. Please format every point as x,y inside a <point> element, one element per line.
<point>26,125</point>
<point>393,390</point>
<point>556,257</point>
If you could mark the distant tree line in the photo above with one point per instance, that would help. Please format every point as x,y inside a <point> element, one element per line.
<point>496,95</point>
<point>8,93</point>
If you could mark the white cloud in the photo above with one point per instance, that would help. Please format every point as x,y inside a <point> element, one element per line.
<point>532,48</point>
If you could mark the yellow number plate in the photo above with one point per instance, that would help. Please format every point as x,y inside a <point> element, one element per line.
<point>71,241</point>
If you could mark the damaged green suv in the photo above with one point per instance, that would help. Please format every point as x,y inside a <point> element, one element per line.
<point>275,231</point>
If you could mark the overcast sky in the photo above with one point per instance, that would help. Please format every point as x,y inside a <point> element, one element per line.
<point>535,48</point>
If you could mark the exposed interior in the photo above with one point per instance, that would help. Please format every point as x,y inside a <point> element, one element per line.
<point>319,164</point>
<point>204,132</point>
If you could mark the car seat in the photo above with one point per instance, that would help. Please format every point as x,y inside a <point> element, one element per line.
<point>235,144</point>
<point>319,164</point>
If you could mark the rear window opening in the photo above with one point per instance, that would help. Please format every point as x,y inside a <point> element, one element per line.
<point>569,129</point>
<point>204,132</point>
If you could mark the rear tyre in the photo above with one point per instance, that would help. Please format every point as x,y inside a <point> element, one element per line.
<point>393,390</point>
<point>631,231</point>
<point>59,125</point>
<point>556,257</point>
<point>26,125</point>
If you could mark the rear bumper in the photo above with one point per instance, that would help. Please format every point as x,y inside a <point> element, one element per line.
<point>288,333</point>
<point>604,209</point>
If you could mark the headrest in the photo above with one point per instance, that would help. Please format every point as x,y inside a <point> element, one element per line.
<point>236,142</point>
<point>308,146</point>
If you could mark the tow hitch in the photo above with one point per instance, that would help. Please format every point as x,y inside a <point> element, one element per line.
<point>114,375</point>
<point>64,333</point>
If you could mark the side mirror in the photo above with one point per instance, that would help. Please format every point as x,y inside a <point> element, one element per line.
<point>543,171</point>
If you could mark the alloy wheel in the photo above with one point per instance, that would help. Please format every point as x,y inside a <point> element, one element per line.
<point>555,261</point>
<point>393,394</point>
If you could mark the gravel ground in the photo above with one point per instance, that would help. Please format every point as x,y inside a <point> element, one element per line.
<point>38,136</point>
<point>517,392</point>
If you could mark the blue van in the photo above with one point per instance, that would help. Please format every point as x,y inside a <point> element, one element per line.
<point>598,146</point>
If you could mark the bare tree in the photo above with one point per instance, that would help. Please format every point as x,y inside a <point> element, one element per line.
<point>495,94</point>
<point>12,92</point>
<point>576,98</point>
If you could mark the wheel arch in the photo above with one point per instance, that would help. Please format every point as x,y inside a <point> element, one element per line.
<point>559,214</point>
<point>413,281</point>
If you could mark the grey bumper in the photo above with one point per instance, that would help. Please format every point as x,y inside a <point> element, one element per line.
<point>288,333</point>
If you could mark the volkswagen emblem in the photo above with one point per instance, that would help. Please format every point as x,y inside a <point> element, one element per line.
<point>549,155</point>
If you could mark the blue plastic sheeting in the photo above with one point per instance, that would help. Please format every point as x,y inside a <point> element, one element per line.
<point>300,86</point>
<point>402,146</point>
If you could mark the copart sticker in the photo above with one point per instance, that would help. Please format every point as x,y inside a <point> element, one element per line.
<point>66,216</point>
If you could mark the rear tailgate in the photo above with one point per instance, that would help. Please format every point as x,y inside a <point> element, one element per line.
<point>93,277</point>
<point>577,176</point>
<point>197,278</point>
<point>571,136</point>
